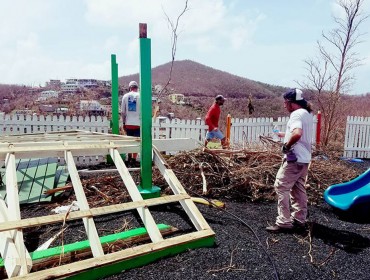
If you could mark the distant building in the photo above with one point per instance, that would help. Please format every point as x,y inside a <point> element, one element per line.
<point>47,94</point>
<point>156,99</point>
<point>62,110</point>
<point>158,89</point>
<point>70,86</point>
<point>23,112</point>
<point>73,85</point>
<point>34,90</point>
<point>92,107</point>
<point>54,84</point>
<point>47,108</point>
<point>88,83</point>
<point>177,98</point>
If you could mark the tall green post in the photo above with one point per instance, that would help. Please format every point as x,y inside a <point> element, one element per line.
<point>146,188</point>
<point>114,87</point>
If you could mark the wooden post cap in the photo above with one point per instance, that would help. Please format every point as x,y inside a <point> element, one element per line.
<point>142,30</point>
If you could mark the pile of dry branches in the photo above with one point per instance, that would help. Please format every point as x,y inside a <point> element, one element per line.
<point>250,174</point>
<point>246,174</point>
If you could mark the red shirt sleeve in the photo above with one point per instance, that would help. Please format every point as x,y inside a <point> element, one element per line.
<point>212,117</point>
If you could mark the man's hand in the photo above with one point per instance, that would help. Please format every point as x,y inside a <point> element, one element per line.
<point>215,129</point>
<point>289,153</point>
<point>285,149</point>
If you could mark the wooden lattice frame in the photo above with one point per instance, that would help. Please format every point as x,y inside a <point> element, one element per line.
<point>76,143</point>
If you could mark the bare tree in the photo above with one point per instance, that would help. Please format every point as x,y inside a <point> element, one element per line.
<point>174,36</point>
<point>330,73</point>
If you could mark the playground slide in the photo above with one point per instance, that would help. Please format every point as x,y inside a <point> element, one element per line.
<point>347,194</point>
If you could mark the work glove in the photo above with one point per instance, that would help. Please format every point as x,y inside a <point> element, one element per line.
<point>289,154</point>
<point>285,149</point>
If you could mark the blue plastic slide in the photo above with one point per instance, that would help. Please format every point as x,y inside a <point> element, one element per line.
<point>347,194</point>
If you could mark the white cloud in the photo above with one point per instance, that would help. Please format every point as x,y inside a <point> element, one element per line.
<point>225,26</point>
<point>43,39</point>
<point>20,17</point>
<point>202,18</point>
<point>111,43</point>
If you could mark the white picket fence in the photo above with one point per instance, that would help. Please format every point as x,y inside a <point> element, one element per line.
<point>245,130</point>
<point>357,137</point>
<point>24,124</point>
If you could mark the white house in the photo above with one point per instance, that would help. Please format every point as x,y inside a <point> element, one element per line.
<point>47,94</point>
<point>90,105</point>
<point>70,86</point>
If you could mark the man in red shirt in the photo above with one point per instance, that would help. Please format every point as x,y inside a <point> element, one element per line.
<point>212,118</point>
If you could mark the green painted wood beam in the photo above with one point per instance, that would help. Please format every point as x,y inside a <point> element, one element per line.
<point>114,88</point>
<point>119,267</point>
<point>81,245</point>
<point>146,114</point>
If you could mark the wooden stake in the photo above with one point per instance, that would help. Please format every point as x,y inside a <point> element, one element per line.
<point>90,228</point>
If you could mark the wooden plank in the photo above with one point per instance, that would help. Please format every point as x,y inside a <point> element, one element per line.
<point>93,212</point>
<point>44,148</point>
<point>89,224</point>
<point>132,189</point>
<point>190,208</point>
<point>85,252</point>
<point>15,215</point>
<point>21,164</point>
<point>8,249</point>
<point>73,268</point>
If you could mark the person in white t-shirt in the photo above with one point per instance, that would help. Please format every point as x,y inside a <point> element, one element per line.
<point>130,110</point>
<point>291,178</point>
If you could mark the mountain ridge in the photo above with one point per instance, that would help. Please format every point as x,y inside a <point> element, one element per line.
<point>195,79</point>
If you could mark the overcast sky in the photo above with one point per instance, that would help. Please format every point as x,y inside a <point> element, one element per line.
<point>262,40</point>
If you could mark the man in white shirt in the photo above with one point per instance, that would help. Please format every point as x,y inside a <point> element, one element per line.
<point>130,110</point>
<point>291,177</point>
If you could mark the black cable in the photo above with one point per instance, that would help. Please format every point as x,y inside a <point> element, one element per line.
<point>276,273</point>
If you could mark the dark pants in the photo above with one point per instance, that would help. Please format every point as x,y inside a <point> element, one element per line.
<point>133,132</point>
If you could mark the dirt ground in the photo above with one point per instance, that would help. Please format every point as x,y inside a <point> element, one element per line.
<point>333,248</point>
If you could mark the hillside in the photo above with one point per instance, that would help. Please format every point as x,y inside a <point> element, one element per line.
<point>200,84</point>
<point>194,79</point>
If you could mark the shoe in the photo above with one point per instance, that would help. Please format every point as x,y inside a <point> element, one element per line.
<point>297,225</point>
<point>276,229</point>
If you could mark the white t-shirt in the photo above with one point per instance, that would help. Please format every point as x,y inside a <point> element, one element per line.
<point>131,108</point>
<point>302,119</point>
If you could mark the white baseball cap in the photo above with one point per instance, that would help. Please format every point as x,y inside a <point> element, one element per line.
<point>133,84</point>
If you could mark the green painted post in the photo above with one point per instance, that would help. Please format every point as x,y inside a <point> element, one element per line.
<point>114,87</point>
<point>146,188</point>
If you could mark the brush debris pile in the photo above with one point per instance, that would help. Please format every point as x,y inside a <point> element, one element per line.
<point>250,174</point>
<point>246,174</point>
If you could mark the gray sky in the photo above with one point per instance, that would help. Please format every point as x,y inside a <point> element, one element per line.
<point>264,40</point>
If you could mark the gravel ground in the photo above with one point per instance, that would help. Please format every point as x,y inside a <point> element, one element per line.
<point>335,247</point>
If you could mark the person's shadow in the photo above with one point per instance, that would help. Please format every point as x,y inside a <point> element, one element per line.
<point>345,240</point>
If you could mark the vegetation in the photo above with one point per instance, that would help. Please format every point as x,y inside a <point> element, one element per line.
<point>329,75</point>
<point>200,84</point>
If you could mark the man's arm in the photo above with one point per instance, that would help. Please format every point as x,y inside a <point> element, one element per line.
<point>294,138</point>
